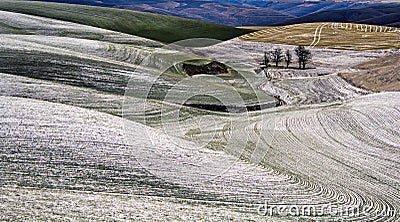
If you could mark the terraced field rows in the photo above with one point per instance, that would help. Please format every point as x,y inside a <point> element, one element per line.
<point>313,90</point>
<point>128,54</point>
<point>97,159</point>
<point>304,131</point>
<point>355,169</point>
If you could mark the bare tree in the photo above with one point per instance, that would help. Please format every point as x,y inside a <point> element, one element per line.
<point>277,56</point>
<point>265,64</point>
<point>288,58</point>
<point>304,56</point>
<point>299,52</point>
<point>307,58</point>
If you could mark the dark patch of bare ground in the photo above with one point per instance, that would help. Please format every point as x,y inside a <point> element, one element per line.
<point>213,67</point>
<point>378,75</point>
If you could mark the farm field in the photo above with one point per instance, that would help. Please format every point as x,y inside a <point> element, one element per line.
<point>329,35</point>
<point>157,27</point>
<point>377,75</point>
<point>98,123</point>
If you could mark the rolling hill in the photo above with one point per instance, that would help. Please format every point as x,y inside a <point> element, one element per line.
<point>382,14</point>
<point>301,8</point>
<point>329,35</point>
<point>80,142</point>
<point>227,12</point>
<point>221,13</point>
<point>377,75</point>
<point>152,26</point>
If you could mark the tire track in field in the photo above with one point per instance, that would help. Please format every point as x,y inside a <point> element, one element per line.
<point>317,35</point>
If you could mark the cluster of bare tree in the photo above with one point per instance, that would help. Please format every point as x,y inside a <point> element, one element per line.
<point>277,56</point>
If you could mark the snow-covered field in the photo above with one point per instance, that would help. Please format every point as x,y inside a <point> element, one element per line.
<point>79,141</point>
<point>29,24</point>
<point>295,86</point>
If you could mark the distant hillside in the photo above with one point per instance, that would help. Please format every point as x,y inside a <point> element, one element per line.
<point>227,12</point>
<point>383,14</point>
<point>301,8</point>
<point>377,75</point>
<point>221,13</point>
<point>152,26</point>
